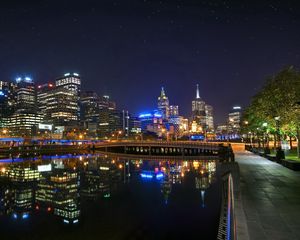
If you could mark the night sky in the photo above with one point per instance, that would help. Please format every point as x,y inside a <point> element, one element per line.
<point>129,49</point>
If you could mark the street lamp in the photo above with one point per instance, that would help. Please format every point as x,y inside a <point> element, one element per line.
<point>119,132</point>
<point>277,130</point>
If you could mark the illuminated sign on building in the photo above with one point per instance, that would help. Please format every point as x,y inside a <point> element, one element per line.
<point>45,168</point>
<point>45,126</point>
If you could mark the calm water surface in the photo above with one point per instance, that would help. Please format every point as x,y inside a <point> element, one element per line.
<point>99,197</point>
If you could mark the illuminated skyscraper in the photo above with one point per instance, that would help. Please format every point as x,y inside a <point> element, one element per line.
<point>26,95</point>
<point>42,98</point>
<point>62,107</point>
<point>163,104</point>
<point>209,117</point>
<point>198,110</point>
<point>25,119</point>
<point>7,101</point>
<point>70,81</point>
<point>174,112</point>
<point>234,121</point>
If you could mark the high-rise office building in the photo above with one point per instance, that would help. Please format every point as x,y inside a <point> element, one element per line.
<point>62,107</point>
<point>7,102</point>
<point>25,119</point>
<point>42,98</point>
<point>163,104</point>
<point>209,117</point>
<point>26,95</point>
<point>71,82</point>
<point>202,114</point>
<point>234,121</point>
<point>89,106</point>
<point>174,112</point>
<point>198,110</point>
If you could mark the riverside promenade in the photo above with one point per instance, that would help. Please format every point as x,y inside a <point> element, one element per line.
<point>269,194</point>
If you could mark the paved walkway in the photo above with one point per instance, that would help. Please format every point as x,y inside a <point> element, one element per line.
<point>270,195</point>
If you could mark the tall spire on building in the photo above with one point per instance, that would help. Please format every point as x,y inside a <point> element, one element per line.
<point>197,92</point>
<point>162,92</point>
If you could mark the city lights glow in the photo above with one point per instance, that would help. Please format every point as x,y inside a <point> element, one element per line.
<point>144,175</point>
<point>159,176</point>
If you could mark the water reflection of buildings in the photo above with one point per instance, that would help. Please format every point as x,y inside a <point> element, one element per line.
<point>175,172</point>
<point>99,178</point>
<point>19,192</point>
<point>58,192</point>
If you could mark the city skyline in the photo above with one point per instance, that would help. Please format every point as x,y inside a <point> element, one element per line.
<point>173,44</point>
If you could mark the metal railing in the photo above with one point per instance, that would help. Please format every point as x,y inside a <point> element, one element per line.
<point>227,225</point>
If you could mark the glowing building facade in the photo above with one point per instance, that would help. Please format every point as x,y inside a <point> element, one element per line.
<point>163,104</point>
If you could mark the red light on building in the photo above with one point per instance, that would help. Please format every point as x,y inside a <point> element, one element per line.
<point>50,85</point>
<point>49,209</point>
<point>37,207</point>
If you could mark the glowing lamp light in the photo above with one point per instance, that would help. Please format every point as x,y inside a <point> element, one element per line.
<point>148,176</point>
<point>1,93</point>
<point>236,107</point>
<point>76,74</point>
<point>37,207</point>
<point>145,115</point>
<point>66,74</point>
<point>18,79</point>
<point>15,216</point>
<point>66,221</point>
<point>75,221</point>
<point>49,209</point>
<point>28,79</point>
<point>159,176</point>
<point>25,215</point>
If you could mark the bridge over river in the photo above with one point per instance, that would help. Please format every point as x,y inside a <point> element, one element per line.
<point>167,149</point>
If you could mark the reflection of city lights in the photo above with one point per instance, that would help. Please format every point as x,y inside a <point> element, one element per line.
<point>196,164</point>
